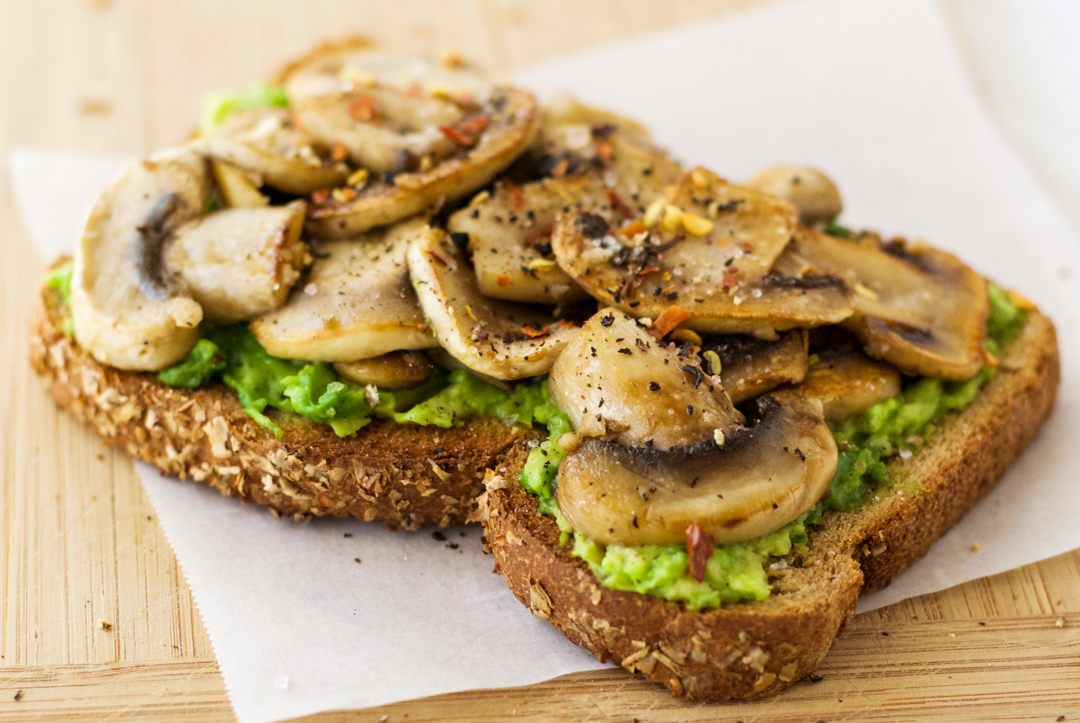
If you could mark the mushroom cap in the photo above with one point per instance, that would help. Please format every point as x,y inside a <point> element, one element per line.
<point>760,479</point>
<point>127,311</point>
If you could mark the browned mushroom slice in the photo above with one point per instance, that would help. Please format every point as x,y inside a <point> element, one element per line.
<point>394,371</point>
<point>265,142</point>
<point>600,161</point>
<point>384,130</point>
<point>749,366</point>
<point>486,147</point>
<point>497,338</point>
<point>847,382</point>
<point>712,265</point>
<point>919,309</point>
<point>509,236</point>
<point>760,479</point>
<point>576,139</point>
<point>355,303</point>
<point>240,263</point>
<point>618,383</point>
<point>356,62</point>
<point>127,310</point>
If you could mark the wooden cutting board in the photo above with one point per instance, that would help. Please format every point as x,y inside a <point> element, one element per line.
<point>97,619</point>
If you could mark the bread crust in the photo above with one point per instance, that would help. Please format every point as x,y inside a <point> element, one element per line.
<point>757,649</point>
<point>402,475</point>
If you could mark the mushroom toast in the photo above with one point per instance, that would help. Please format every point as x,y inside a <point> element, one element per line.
<point>696,418</point>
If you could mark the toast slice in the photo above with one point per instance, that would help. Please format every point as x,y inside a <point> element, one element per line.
<point>757,649</point>
<point>403,475</point>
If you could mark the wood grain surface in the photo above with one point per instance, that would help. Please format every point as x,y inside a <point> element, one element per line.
<point>97,620</point>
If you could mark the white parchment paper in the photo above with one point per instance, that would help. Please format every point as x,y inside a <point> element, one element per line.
<point>872,93</point>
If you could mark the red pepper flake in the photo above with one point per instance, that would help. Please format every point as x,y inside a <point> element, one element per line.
<point>667,321</point>
<point>466,133</point>
<point>503,281</point>
<point>343,195</point>
<point>699,548</point>
<point>438,258</point>
<point>517,197</point>
<point>604,151</point>
<point>747,247</point>
<point>363,110</point>
<point>633,228</point>
<point>620,205</point>
<point>475,126</point>
<point>415,91</point>
<point>535,333</point>
<point>320,196</point>
<point>456,136</point>
<point>339,153</point>
<point>729,280</point>
<point>560,168</point>
<point>648,270</point>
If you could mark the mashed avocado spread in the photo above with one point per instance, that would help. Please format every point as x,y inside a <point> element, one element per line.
<point>900,425</point>
<point>219,106</point>
<point>314,390</point>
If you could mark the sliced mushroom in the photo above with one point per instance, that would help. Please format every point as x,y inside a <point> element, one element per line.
<point>847,382</point>
<point>498,133</point>
<point>383,129</point>
<point>600,160</point>
<point>238,188</point>
<point>750,367</point>
<point>356,62</point>
<point>240,263</point>
<point>919,309</point>
<point>509,236</point>
<point>126,310</point>
<point>355,303</point>
<point>266,143</point>
<point>618,383</point>
<point>709,251</point>
<point>760,479</point>
<point>503,340</point>
<point>809,190</point>
<point>394,371</point>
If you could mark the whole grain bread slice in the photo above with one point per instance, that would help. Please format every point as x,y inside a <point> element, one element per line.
<point>403,475</point>
<point>752,650</point>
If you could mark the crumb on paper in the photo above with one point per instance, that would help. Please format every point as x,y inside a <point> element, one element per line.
<point>975,547</point>
<point>94,106</point>
<point>104,624</point>
<point>356,559</point>
<point>18,695</point>
<point>282,682</point>
<point>952,635</point>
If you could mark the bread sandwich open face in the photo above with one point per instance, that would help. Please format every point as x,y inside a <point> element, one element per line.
<point>696,418</point>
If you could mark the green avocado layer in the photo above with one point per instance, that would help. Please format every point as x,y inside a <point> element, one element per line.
<point>219,106</point>
<point>737,572</point>
<point>314,390</point>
